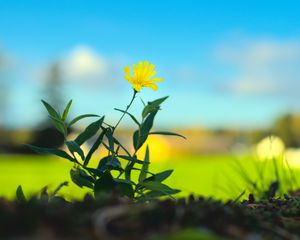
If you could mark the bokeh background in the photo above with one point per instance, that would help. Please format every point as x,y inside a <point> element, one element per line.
<point>231,69</point>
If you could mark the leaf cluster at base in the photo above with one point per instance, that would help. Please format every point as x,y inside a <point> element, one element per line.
<point>110,176</point>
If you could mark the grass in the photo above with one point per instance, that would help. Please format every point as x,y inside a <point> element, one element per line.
<point>212,175</point>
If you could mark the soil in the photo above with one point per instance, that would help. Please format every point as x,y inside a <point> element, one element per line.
<point>116,218</point>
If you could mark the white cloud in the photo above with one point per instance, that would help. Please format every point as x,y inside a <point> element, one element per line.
<point>82,66</point>
<point>84,63</point>
<point>259,52</point>
<point>262,66</point>
<point>248,86</point>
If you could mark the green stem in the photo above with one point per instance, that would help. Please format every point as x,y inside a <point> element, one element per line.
<point>117,124</point>
<point>127,108</point>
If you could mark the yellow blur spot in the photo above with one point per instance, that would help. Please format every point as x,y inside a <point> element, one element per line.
<point>270,147</point>
<point>292,157</point>
<point>160,148</point>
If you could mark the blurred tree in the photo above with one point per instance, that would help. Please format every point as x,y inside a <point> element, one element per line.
<point>47,135</point>
<point>53,85</point>
<point>256,135</point>
<point>287,128</point>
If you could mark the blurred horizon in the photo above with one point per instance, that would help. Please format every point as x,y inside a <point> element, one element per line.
<point>225,65</point>
<point>231,71</point>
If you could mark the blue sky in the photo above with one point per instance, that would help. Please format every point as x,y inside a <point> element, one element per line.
<point>225,63</point>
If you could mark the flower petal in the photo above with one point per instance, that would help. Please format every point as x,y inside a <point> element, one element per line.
<point>153,86</point>
<point>127,70</point>
<point>156,80</point>
<point>141,75</point>
<point>137,87</point>
<point>149,73</point>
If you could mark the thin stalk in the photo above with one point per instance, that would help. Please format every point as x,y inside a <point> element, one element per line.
<point>276,169</point>
<point>108,125</point>
<point>118,142</point>
<point>292,174</point>
<point>117,124</point>
<point>125,112</point>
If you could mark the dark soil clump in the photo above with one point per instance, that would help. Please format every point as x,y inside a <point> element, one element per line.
<point>192,218</point>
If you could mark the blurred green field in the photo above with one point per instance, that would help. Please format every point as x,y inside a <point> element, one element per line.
<point>213,175</point>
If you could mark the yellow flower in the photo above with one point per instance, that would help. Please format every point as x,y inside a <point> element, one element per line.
<point>142,76</point>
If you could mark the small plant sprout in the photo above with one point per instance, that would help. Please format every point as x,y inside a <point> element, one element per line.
<point>112,176</point>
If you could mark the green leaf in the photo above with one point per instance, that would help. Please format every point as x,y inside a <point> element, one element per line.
<point>156,194</point>
<point>105,184</point>
<point>148,123</point>
<point>81,178</point>
<point>94,148</point>
<point>114,163</point>
<point>51,110</point>
<point>20,194</point>
<point>124,187</point>
<point>59,125</point>
<point>56,152</point>
<point>58,120</point>
<point>102,164</point>
<point>145,167</point>
<point>131,159</point>
<point>160,187</point>
<point>135,139</point>
<point>81,117</point>
<point>118,180</point>
<point>109,162</point>
<point>167,133</point>
<point>94,171</point>
<point>110,139</point>
<point>140,136</point>
<point>75,148</point>
<point>153,106</point>
<point>89,132</point>
<point>160,177</point>
<point>66,111</point>
<point>130,115</point>
<point>128,169</point>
